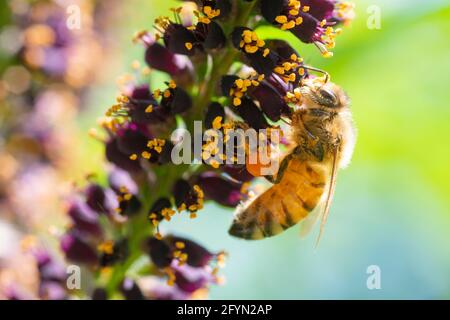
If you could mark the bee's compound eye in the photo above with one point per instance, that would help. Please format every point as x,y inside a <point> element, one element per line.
<point>327,94</point>
<point>327,97</point>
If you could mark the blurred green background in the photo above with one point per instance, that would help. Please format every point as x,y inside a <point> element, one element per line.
<point>392,205</point>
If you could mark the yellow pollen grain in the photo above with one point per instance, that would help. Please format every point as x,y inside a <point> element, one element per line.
<point>127,197</point>
<point>288,26</point>
<point>217,123</point>
<point>146,155</point>
<point>180,245</point>
<point>237,102</point>
<point>281,19</point>
<point>251,49</point>
<point>106,247</point>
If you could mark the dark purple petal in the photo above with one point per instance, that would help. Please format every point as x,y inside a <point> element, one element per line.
<point>262,65</point>
<point>77,249</point>
<point>160,252</point>
<point>52,291</point>
<point>215,110</point>
<point>49,268</point>
<point>130,207</point>
<point>132,140</point>
<point>158,206</point>
<point>198,256</point>
<point>120,159</point>
<point>307,31</point>
<point>160,58</point>
<point>99,199</point>
<point>99,294</point>
<point>131,290</point>
<point>181,192</point>
<point>118,255</point>
<point>219,189</point>
<point>227,83</point>
<point>119,179</point>
<point>191,279</point>
<point>320,9</point>
<point>271,102</point>
<point>140,99</point>
<point>238,172</point>
<point>178,102</point>
<point>250,112</point>
<point>214,38</point>
<point>270,9</point>
<point>176,37</point>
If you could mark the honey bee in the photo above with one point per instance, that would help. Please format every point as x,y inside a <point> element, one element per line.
<point>322,141</point>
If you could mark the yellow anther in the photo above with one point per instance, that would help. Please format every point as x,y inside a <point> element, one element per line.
<point>146,155</point>
<point>180,245</point>
<point>217,123</point>
<point>106,247</point>
<point>281,19</point>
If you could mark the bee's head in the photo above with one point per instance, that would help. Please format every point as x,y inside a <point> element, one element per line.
<point>324,93</point>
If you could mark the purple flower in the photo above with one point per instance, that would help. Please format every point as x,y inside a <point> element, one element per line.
<point>160,58</point>
<point>179,39</point>
<point>162,252</point>
<point>189,279</point>
<point>120,159</point>
<point>52,276</point>
<point>100,200</point>
<point>222,190</point>
<point>49,268</point>
<point>311,21</point>
<point>254,49</point>
<point>52,291</point>
<point>99,294</point>
<point>120,179</point>
<point>131,290</point>
<point>77,249</point>
<point>113,252</point>
<point>143,107</point>
<point>188,197</point>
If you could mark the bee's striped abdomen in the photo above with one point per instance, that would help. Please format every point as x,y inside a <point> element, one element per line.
<point>284,204</point>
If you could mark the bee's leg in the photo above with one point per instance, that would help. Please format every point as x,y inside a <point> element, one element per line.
<point>283,166</point>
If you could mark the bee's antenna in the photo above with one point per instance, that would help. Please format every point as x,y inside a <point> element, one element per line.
<point>327,75</point>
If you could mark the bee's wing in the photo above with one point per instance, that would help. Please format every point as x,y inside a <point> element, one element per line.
<point>329,196</point>
<point>310,221</point>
